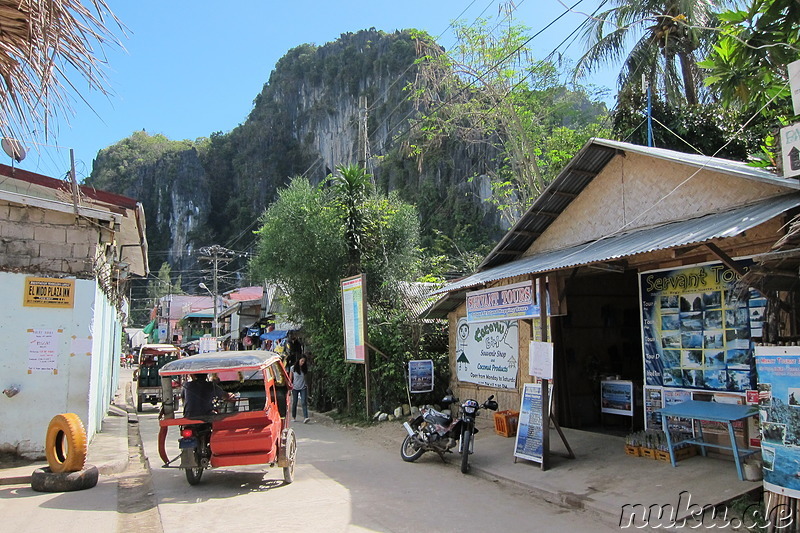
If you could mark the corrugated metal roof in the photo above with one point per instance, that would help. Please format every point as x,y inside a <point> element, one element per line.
<point>671,235</point>
<point>582,169</point>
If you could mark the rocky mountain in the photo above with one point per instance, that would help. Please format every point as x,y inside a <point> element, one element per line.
<point>305,122</point>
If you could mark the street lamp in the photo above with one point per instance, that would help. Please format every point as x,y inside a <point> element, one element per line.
<point>214,296</point>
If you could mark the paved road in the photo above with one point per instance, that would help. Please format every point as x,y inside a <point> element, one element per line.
<point>344,483</point>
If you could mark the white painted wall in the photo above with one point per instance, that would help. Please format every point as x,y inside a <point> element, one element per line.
<point>83,384</point>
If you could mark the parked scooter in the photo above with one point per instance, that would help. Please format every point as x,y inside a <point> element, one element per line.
<point>434,431</point>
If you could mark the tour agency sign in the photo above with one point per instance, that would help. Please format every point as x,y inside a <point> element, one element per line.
<point>509,302</point>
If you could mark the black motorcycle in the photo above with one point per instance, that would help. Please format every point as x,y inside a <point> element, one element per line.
<point>434,431</point>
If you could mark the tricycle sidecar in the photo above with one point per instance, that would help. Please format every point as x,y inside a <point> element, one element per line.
<point>248,427</point>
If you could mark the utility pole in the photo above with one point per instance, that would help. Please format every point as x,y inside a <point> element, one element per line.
<point>216,254</point>
<point>362,131</point>
<point>362,162</point>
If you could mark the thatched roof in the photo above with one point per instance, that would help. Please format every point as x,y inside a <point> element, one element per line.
<point>46,47</point>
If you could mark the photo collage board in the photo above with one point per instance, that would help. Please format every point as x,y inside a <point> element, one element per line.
<point>699,329</point>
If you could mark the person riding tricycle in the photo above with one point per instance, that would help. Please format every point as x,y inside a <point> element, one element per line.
<point>234,413</point>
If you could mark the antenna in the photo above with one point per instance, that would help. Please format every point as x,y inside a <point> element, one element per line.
<point>13,149</point>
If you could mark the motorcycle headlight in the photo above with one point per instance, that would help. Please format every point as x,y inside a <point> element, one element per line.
<point>469,409</point>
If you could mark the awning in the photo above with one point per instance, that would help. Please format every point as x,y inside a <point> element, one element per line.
<point>274,335</point>
<point>692,231</point>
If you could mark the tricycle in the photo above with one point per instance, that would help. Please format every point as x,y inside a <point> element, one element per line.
<point>151,358</point>
<point>245,425</point>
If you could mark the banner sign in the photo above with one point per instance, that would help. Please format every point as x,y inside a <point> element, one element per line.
<point>530,429</point>
<point>502,303</point>
<point>420,376</point>
<point>779,413</point>
<point>354,318</point>
<point>488,353</point>
<point>696,332</point>
<point>49,292</point>
<point>616,397</point>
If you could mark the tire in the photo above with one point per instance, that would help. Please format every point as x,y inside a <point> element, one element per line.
<point>140,403</point>
<point>466,437</point>
<point>65,443</point>
<point>409,450</point>
<point>291,457</point>
<point>45,480</point>
<point>193,475</point>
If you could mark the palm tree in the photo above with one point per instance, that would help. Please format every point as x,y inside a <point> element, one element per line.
<point>667,36</point>
<point>41,43</point>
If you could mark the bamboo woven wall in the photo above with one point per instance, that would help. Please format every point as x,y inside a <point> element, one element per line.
<point>637,191</point>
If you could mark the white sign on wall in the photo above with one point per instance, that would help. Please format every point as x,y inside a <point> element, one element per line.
<point>43,350</point>
<point>794,85</point>
<point>541,360</point>
<point>790,150</point>
<point>488,353</point>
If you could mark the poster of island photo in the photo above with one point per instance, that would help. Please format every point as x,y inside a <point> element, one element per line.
<point>487,353</point>
<point>698,328</point>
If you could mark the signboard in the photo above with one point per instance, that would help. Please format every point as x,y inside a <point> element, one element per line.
<point>794,85</point>
<point>43,350</point>
<point>653,403</point>
<point>779,413</point>
<point>49,292</point>
<point>488,353</point>
<point>420,376</point>
<point>530,430</point>
<point>790,150</point>
<point>502,303</point>
<point>540,362</point>
<point>355,319</point>
<point>207,344</point>
<point>697,331</point>
<point>616,397</point>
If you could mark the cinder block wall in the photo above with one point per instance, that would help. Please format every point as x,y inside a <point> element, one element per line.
<point>38,240</point>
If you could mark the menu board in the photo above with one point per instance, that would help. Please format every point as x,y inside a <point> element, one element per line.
<point>530,430</point>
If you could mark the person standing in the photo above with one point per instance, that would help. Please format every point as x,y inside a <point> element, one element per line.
<point>300,388</point>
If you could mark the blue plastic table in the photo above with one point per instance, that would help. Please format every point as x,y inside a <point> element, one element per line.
<point>715,412</point>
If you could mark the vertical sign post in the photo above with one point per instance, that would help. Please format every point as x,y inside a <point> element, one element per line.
<point>354,316</point>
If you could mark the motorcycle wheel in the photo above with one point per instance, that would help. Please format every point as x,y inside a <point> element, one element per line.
<point>193,475</point>
<point>409,450</point>
<point>466,436</point>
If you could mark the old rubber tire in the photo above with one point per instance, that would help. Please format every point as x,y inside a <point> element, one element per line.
<point>409,450</point>
<point>466,436</point>
<point>65,443</point>
<point>291,456</point>
<point>44,480</point>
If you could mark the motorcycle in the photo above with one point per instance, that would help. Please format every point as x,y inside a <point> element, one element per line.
<point>434,431</point>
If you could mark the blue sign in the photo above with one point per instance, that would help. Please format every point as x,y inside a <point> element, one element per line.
<point>420,376</point>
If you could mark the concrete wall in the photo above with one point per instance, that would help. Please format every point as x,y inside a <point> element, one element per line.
<point>40,240</point>
<point>84,384</point>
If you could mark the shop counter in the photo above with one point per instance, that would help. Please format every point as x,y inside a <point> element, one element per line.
<point>716,412</point>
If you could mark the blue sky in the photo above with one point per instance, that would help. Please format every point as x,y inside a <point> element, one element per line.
<point>191,68</point>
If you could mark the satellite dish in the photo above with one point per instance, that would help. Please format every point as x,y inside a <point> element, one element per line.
<point>13,149</point>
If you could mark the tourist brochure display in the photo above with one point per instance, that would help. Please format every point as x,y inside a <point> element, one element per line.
<point>779,412</point>
<point>697,339</point>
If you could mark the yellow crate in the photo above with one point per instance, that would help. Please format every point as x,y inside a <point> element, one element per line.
<point>505,423</point>
<point>650,453</point>
<point>635,451</point>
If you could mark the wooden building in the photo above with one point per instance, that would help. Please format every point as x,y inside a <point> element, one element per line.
<point>640,250</point>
